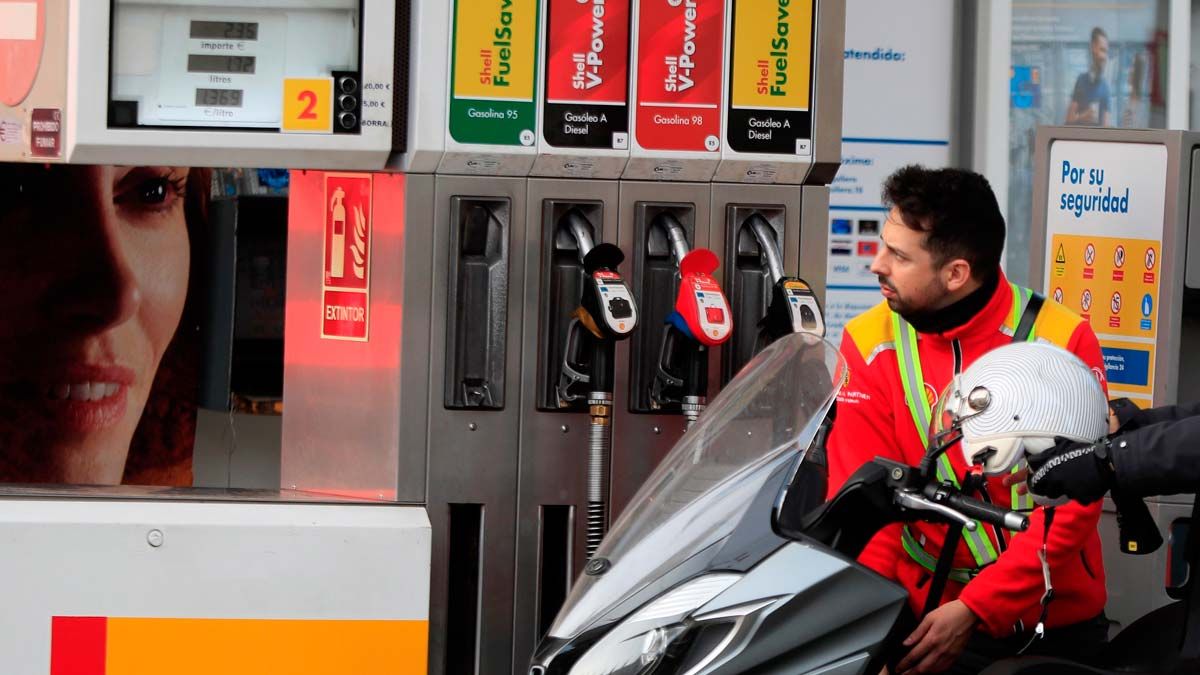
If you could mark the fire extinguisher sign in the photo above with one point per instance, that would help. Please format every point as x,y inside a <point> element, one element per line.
<point>346,285</point>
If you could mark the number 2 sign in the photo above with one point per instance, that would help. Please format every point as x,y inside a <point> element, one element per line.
<point>308,105</point>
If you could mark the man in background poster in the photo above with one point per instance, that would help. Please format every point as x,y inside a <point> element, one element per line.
<point>1090,101</point>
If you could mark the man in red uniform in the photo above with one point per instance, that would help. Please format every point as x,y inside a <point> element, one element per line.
<point>946,303</point>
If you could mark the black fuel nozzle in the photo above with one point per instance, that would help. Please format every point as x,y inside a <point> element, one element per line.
<point>574,376</point>
<point>606,312</point>
<point>794,308</point>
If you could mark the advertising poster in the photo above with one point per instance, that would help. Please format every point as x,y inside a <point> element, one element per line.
<point>103,318</point>
<point>1078,63</point>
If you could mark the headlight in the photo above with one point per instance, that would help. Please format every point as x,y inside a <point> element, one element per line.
<point>639,642</point>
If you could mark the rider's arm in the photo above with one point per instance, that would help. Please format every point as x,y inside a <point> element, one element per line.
<point>1159,459</point>
<point>1130,416</point>
<point>864,429</point>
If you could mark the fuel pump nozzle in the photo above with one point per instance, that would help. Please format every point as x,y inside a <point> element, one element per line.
<point>676,237</point>
<point>793,307</point>
<point>606,313</point>
<point>581,230</point>
<point>576,362</point>
<point>765,235</point>
<point>701,319</point>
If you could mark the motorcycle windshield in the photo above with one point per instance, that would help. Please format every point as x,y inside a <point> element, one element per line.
<point>707,482</point>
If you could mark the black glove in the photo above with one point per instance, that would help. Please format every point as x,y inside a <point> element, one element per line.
<point>1129,415</point>
<point>1080,471</point>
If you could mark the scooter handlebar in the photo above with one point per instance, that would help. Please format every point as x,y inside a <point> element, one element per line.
<point>913,489</point>
<point>987,513</point>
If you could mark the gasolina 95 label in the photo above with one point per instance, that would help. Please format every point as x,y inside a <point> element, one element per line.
<point>494,74</point>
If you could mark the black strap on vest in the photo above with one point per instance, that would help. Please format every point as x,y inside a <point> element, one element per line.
<point>1028,318</point>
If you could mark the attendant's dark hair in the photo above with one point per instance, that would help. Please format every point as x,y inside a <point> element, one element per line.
<point>956,208</point>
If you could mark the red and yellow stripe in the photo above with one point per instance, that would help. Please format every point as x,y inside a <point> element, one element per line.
<point>151,646</point>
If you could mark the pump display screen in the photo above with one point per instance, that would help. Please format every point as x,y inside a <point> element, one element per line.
<point>233,63</point>
<point>219,63</point>
<point>224,30</point>
<point>219,98</point>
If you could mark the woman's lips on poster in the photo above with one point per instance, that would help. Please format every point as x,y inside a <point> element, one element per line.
<point>87,398</point>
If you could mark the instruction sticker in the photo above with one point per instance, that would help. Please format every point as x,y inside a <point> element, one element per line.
<point>712,310</point>
<point>494,75</point>
<point>771,77</point>
<point>587,74</point>
<point>680,66</point>
<point>616,302</point>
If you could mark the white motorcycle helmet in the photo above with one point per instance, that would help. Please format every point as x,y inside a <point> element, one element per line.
<point>1016,399</point>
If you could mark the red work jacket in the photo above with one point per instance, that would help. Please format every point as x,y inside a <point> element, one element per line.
<point>873,419</point>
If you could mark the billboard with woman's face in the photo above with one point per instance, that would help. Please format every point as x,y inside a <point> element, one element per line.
<point>98,335</point>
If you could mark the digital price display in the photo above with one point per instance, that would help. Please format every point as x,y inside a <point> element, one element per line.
<point>219,98</point>
<point>219,63</point>
<point>224,30</point>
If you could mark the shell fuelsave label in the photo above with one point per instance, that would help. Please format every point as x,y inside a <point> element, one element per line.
<point>771,76</point>
<point>494,72</point>
<point>587,74</point>
<point>681,62</point>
